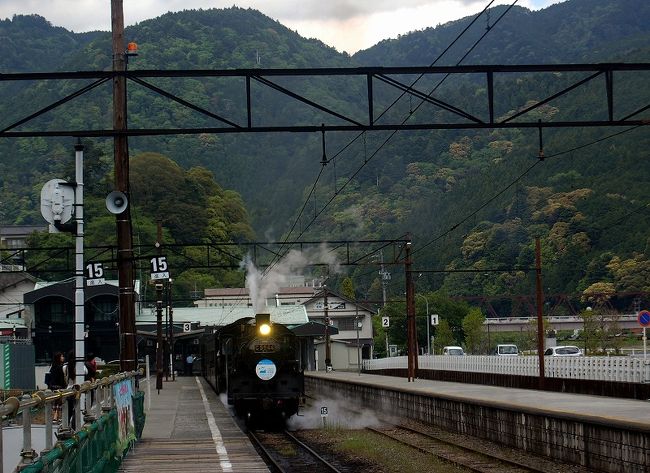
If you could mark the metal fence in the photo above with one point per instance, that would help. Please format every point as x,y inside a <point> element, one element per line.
<point>600,368</point>
<point>93,447</point>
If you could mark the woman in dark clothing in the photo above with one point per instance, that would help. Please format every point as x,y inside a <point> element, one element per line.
<point>91,367</point>
<point>69,370</point>
<point>57,381</point>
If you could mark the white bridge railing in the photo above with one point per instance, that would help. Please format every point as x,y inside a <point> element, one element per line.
<point>603,368</point>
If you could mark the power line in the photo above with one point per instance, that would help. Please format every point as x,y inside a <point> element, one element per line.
<point>325,161</point>
<point>481,207</point>
<point>555,155</point>
<point>366,161</point>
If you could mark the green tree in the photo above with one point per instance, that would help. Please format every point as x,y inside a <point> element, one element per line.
<point>528,341</point>
<point>590,330</point>
<point>443,336</point>
<point>473,330</point>
<point>347,288</point>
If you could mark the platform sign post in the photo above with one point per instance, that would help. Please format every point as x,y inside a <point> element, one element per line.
<point>644,321</point>
<point>323,413</point>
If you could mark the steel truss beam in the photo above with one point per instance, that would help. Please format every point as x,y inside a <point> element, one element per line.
<point>391,76</point>
<point>209,255</point>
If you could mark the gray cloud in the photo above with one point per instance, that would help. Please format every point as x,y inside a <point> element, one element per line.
<point>338,9</point>
<point>348,25</point>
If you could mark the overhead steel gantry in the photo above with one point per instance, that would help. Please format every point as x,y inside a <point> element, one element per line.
<point>218,255</point>
<point>249,119</point>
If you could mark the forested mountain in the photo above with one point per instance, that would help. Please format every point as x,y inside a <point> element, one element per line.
<point>588,205</point>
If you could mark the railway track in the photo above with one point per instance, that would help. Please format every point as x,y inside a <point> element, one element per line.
<point>288,454</point>
<point>461,455</point>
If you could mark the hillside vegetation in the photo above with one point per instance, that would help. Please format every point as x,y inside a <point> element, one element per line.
<point>589,205</point>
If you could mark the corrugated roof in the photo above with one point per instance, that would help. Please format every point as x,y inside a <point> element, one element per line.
<point>11,279</point>
<point>111,282</point>
<point>243,291</point>
<point>220,316</point>
<point>11,323</point>
<point>226,291</point>
<point>20,230</point>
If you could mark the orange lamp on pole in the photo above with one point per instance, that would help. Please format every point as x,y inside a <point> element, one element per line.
<point>132,49</point>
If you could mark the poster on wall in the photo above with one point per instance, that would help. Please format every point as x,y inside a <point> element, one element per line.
<point>123,394</point>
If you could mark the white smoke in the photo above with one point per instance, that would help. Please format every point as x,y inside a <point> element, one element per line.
<point>265,284</point>
<point>341,413</point>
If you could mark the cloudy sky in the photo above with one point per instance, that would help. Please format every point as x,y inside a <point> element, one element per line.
<point>348,25</point>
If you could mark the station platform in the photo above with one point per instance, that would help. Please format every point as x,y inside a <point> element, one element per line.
<point>602,434</point>
<point>188,429</point>
<point>595,408</point>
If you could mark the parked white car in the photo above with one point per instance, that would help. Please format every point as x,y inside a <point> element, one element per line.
<point>506,350</point>
<point>453,351</point>
<point>566,350</point>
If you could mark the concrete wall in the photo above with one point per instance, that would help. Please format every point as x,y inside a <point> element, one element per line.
<point>612,447</point>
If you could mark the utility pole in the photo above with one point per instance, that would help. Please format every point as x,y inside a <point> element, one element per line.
<point>328,349</point>
<point>540,320</point>
<point>128,359</point>
<point>385,277</point>
<point>410,316</point>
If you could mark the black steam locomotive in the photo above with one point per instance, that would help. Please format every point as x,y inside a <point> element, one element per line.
<point>256,363</point>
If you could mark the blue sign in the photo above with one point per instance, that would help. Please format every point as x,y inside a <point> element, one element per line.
<point>644,318</point>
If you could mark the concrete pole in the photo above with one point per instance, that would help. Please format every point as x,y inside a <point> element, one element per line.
<point>79,298</point>
<point>410,317</point>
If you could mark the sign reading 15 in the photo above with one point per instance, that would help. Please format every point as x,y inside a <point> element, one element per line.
<point>94,271</point>
<point>159,264</point>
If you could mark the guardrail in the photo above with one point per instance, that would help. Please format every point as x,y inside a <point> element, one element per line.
<point>600,368</point>
<point>91,402</point>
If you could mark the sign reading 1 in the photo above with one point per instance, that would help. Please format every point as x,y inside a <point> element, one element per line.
<point>94,274</point>
<point>159,268</point>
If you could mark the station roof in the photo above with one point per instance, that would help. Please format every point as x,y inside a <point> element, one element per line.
<point>220,316</point>
<point>313,329</point>
<point>66,290</point>
<point>11,323</point>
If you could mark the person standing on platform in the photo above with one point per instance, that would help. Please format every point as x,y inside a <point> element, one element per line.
<point>91,368</point>
<point>189,364</point>
<point>56,381</point>
<point>69,370</point>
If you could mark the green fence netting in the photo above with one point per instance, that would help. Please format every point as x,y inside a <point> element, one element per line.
<point>94,449</point>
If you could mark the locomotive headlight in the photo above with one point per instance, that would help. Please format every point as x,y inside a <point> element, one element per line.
<point>265,329</point>
<point>263,322</point>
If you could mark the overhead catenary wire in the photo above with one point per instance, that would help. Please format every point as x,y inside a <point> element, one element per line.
<point>394,132</point>
<point>368,159</point>
<point>518,178</point>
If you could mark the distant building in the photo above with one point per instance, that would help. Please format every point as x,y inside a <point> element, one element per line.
<point>240,296</point>
<point>13,286</point>
<point>15,236</point>
<point>51,308</point>
<point>353,322</point>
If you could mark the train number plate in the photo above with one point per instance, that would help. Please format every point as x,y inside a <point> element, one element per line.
<point>264,348</point>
